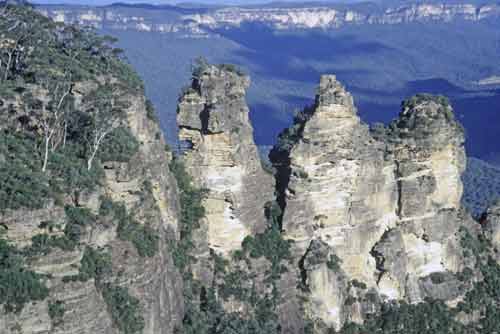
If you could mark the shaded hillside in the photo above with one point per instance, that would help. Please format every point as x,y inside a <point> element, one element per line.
<point>481,186</point>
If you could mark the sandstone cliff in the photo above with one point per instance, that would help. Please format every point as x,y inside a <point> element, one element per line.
<point>219,151</point>
<point>94,244</point>
<point>102,230</point>
<point>200,22</point>
<point>379,209</point>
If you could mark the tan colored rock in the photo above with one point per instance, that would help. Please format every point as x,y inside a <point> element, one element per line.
<point>388,205</point>
<point>220,154</point>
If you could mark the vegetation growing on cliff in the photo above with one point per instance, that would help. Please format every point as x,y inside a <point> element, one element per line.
<point>192,211</point>
<point>18,285</point>
<point>125,310</point>
<point>481,303</point>
<point>142,236</point>
<point>62,107</point>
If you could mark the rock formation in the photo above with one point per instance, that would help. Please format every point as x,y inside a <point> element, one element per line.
<point>219,151</point>
<point>201,22</point>
<point>356,223</point>
<point>383,208</point>
<point>154,281</point>
<point>101,234</point>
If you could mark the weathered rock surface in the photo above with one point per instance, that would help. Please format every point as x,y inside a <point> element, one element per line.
<point>220,154</point>
<point>492,227</point>
<point>385,203</point>
<point>154,281</point>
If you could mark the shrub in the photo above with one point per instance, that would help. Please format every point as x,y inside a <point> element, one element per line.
<point>94,264</point>
<point>70,174</point>
<point>415,100</point>
<point>124,309</point>
<point>18,285</point>
<point>150,111</point>
<point>42,244</point>
<point>120,145</point>
<point>22,184</point>
<point>56,312</point>
<point>77,219</point>
<point>143,237</point>
<point>357,284</point>
<point>438,277</point>
<point>192,211</point>
<point>333,263</point>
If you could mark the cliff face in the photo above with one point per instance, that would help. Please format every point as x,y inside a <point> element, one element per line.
<point>194,23</point>
<point>154,281</point>
<point>110,234</point>
<point>376,209</point>
<point>96,243</point>
<point>218,149</point>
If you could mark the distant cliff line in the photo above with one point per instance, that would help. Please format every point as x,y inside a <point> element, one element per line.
<point>200,22</point>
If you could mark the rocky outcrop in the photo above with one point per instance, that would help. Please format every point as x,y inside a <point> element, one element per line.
<point>384,204</point>
<point>491,220</point>
<point>333,17</point>
<point>218,150</point>
<point>154,281</point>
<point>193,23</point>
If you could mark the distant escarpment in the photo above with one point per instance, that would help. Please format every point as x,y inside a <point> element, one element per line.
<point>201,22</point>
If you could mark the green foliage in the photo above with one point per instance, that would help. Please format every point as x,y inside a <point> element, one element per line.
<point>49,144</point>
<point>357,284</point>
<point>203,311</point>
<point>56,312</point>
<point>70,174</point>
<point>192,211</point>
<point>42,244</point>
<point>125,310</point>
<point>120,145</point>
<point>231,68</point>
<point>334,263</point>
<point>49,47</point>
<point>418,99</point>
<point>18,285</point>
<point>22,184</point>
<point>94,264</point>
<point>77,219</point>
<point>291,135</point>
<point>150,111</point>
<point>143,237</point>
<point>472,245</point>
<point>430,317</point>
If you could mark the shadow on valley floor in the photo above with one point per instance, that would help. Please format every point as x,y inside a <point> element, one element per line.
<point>288,55</point>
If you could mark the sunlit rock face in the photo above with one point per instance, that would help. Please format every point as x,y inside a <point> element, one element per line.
<point>199,24</point>
<point>219,152</point>
<point>383,203</point>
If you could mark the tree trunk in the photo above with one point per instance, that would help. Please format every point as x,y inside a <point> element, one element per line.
<point>92,156</point>
<point>46,155</point>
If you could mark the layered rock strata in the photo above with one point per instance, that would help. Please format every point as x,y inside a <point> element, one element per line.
<point>382,207</point>
<point>218,150</point>
<point>154,281</point>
